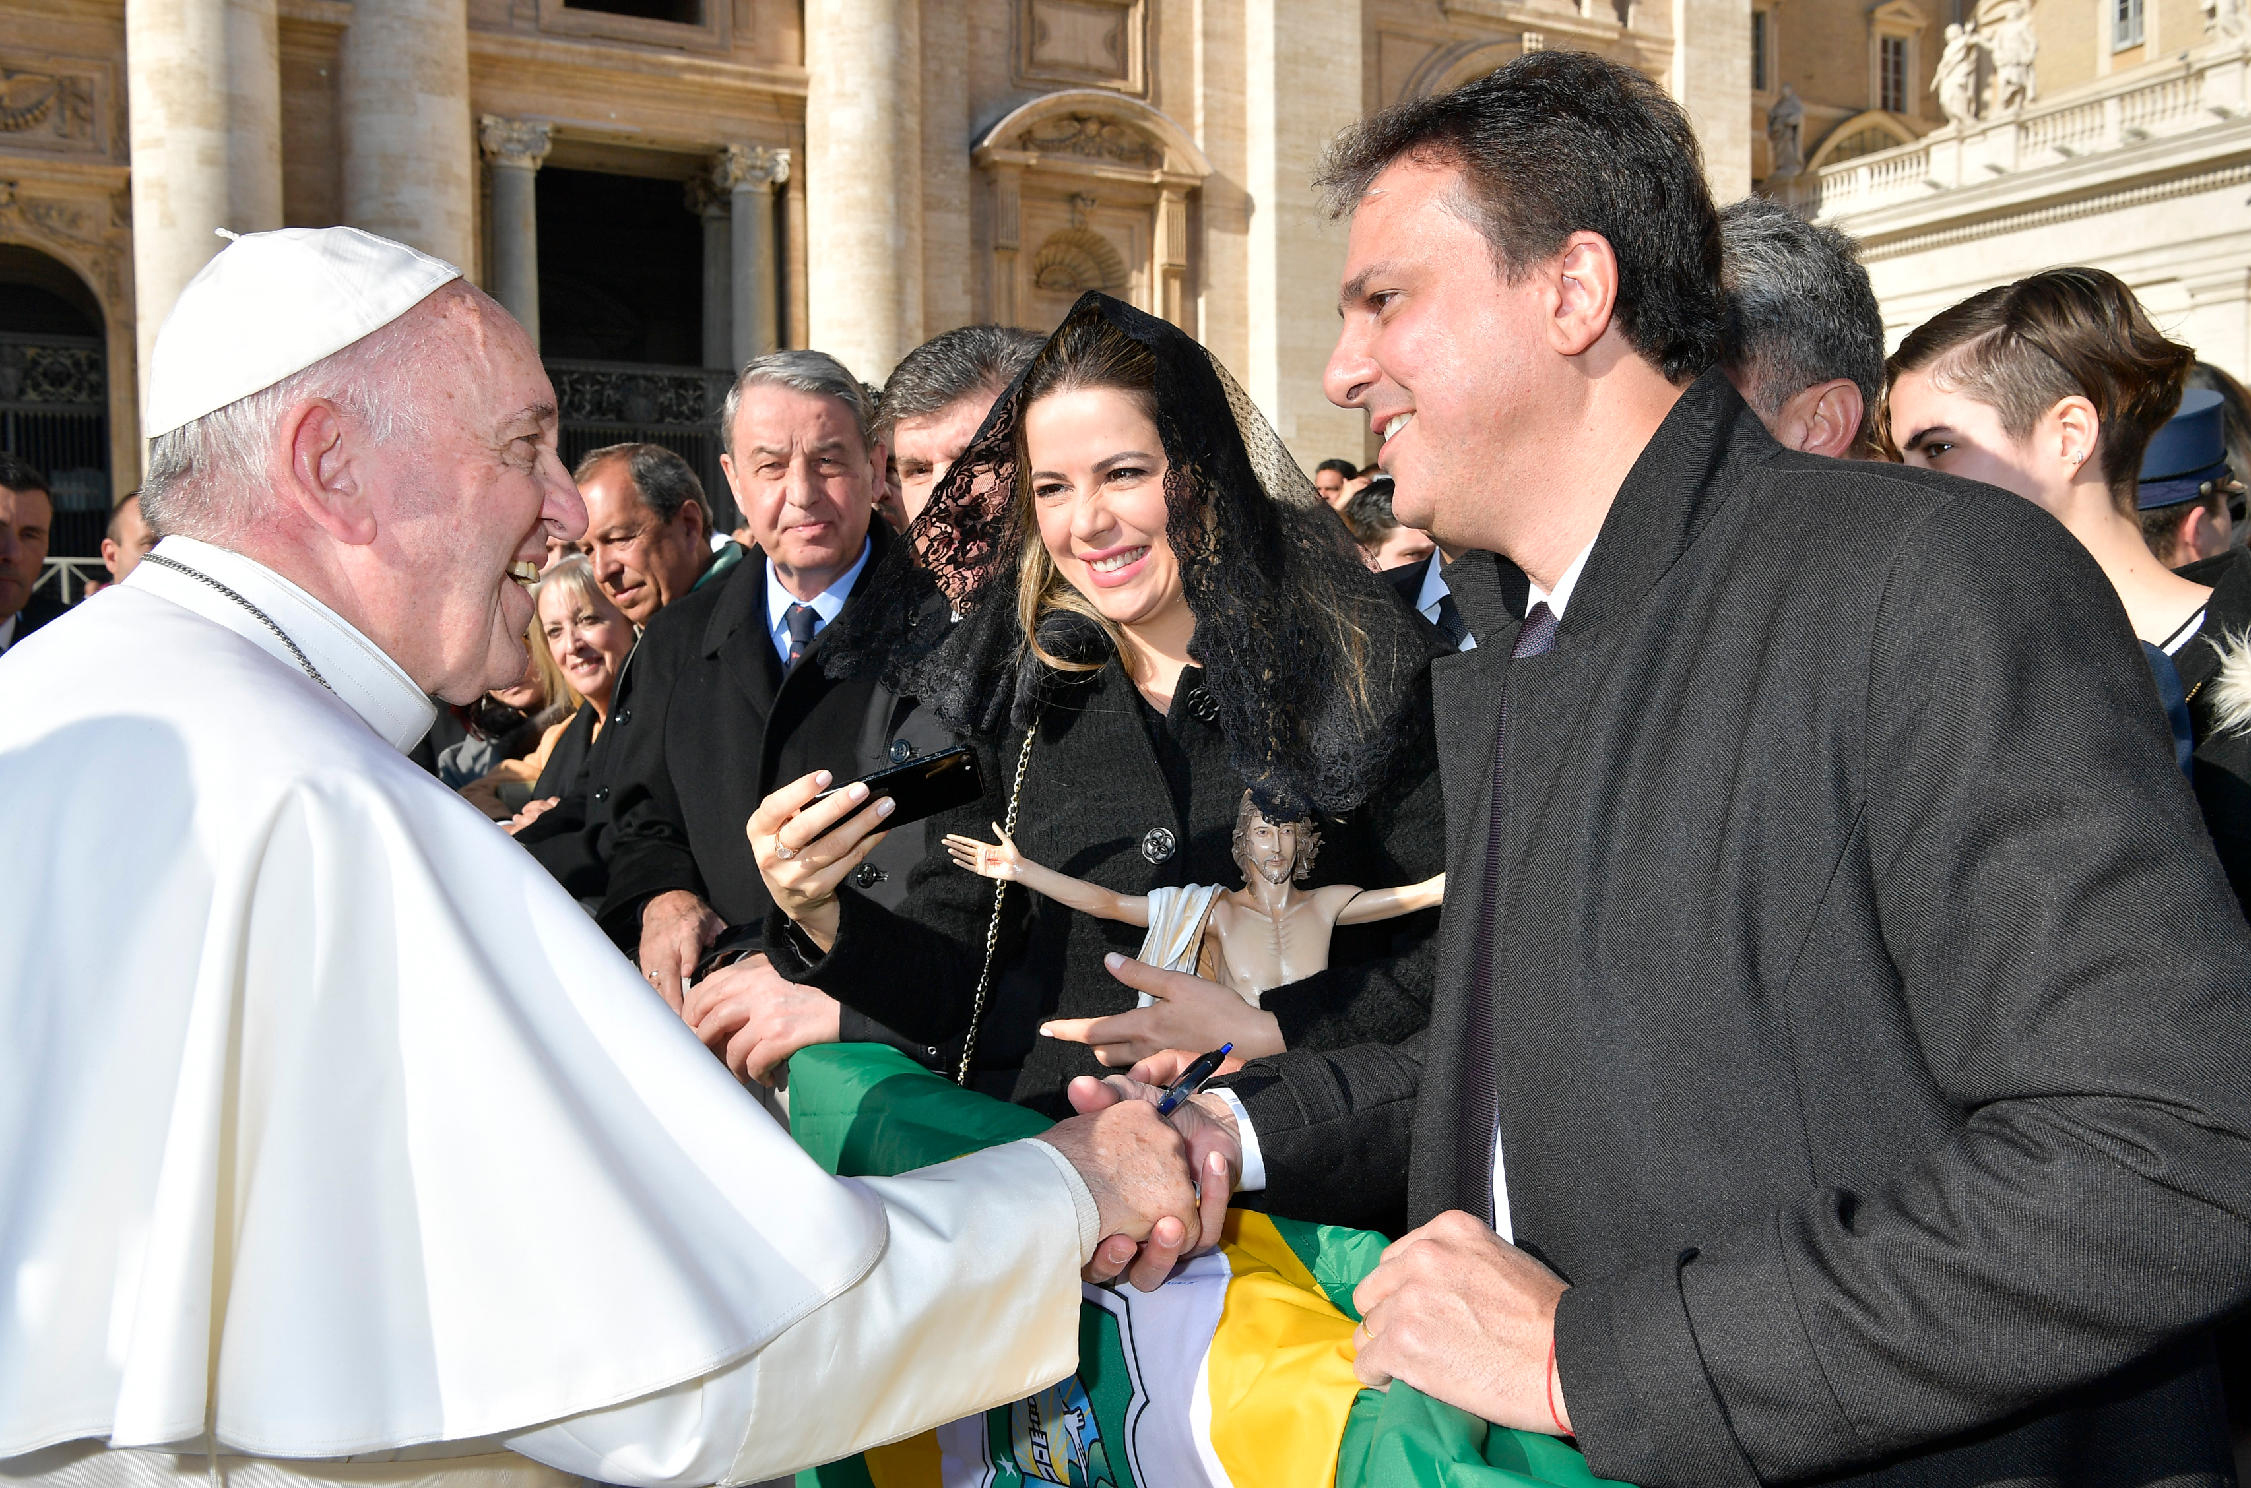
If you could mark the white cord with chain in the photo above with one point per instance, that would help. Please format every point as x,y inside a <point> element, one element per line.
<point>262,617</point>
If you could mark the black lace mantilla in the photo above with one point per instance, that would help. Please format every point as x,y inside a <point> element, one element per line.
<point>1307,655</point>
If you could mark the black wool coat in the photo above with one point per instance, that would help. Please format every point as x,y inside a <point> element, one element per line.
<point>1874,1020</point>
<point>707,725</point>
<point>1096,805</point>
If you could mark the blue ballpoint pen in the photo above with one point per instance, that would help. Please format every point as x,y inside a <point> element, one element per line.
<point>1192,1079</point>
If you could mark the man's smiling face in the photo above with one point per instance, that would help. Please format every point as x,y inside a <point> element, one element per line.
<point>1441,349</point>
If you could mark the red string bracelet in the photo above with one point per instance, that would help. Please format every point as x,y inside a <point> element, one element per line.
<point>1554,1414</point>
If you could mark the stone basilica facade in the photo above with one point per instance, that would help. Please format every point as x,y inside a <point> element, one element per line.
<point>1966,143</point>
<point>662,188</point>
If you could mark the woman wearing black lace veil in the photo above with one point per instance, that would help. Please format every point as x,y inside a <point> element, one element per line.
<point>1156,611</point>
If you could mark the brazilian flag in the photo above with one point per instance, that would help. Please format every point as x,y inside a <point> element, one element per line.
<point>1237,1373</point>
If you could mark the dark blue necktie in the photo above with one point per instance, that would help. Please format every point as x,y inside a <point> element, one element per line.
<point>801,620</point>
<point>1481,1088</point>
<point>1450,623</point>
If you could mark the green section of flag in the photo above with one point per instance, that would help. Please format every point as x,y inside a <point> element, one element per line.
<point>866,1110</point>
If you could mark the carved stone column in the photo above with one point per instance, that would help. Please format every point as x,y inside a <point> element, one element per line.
<point>863,180</point>
<point>204,92</point>
<point>749,174</point>
<point>717,210</point>
<point>402,94</point>
<point>513,151</point>
<point>1172,257</point>
<point>1008,240</point>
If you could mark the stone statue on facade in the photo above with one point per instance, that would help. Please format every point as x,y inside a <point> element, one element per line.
<point>1785,133</point>
<point>2013,46</point>
<point>1955,81</point>
<point>2228,20</point>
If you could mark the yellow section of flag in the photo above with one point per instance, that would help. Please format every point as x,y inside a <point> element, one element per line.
<point>1280,1368</point>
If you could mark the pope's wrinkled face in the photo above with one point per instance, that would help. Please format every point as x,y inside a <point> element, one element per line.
<point>1098,493</point>
<point>481,491</point>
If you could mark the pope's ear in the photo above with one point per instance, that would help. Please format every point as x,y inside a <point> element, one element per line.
<point>324,474</point>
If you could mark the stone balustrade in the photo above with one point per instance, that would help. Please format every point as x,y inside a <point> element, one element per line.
<point>2157,101</point>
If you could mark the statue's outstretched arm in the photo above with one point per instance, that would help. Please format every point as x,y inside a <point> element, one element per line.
<point>1005,862</point>
<point>1384,904</point>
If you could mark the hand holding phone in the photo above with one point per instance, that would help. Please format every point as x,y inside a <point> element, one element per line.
<point>921,787</point>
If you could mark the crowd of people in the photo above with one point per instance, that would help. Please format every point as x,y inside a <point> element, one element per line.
<point>1795,1012</point>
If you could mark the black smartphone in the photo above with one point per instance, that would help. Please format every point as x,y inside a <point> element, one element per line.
<point>922,787</point>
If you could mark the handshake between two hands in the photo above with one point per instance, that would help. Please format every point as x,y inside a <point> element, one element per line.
<point>1161,1184</point>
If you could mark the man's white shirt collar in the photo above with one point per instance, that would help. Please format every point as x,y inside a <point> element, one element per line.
<point>1434,587</point>
<point>367,680</point>
<point>8,632</point>
<point>827,604</point>
<point>1560,596</point>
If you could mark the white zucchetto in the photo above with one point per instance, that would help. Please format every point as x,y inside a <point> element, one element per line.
<point>273,303</point>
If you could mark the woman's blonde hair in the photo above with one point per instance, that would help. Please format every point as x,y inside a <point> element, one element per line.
<point>573,576</point>
<point>1087,353</point>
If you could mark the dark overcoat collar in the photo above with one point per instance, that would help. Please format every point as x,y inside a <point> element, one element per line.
<point>736,633</point>
<point>1686,470</point>
<point>1689,467</point>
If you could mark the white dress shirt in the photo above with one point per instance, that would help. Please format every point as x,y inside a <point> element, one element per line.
<point>1254,1163</point>
<point>1434,591</point>
<point>7,634</point>
<point>827,604</point>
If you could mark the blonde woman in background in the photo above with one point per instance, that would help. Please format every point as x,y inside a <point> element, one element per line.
<point>579,641</point>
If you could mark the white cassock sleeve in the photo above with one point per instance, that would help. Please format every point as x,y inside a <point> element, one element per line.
<point>961,1292</point>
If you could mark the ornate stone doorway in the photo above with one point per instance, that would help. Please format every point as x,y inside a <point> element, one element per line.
<point>54,392</point>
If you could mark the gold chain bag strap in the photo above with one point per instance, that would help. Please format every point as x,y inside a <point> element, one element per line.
<point>992,928</point>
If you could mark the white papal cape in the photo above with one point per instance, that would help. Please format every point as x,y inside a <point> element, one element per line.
<point>331,1128</point>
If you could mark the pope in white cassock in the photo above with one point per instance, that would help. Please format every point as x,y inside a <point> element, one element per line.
<point>336,1143</point>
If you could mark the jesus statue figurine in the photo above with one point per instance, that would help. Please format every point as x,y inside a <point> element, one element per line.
<point>1264,935</point>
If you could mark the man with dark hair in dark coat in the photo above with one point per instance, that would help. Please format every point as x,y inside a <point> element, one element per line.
<point>27,518</point>
<point>1840,1007</point>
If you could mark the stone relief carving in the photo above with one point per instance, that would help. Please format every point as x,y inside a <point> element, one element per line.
<point>632,396</point>
<point>37,106</point>
<point>90,234</point>
<point>749,165</point>
<point>2229,20</point>
<point>1076,260</point>
<point>1785,133</point>
<point>32,373</point>
<point>1093,138</point>
<point>521,143</point>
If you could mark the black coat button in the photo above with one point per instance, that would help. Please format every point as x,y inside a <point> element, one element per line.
<point>625,715</point>
<point>901,751</point>
<point>602,793</point>
<point>1202,706</point>
<point>1157,844</point>
<point>867,876</point>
